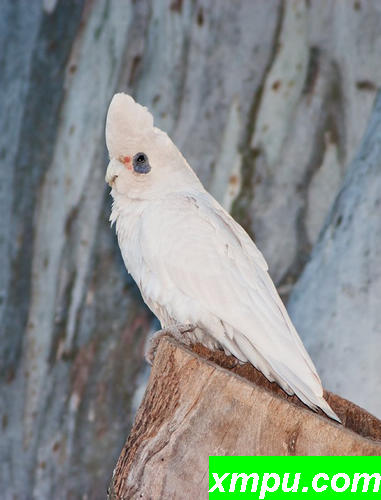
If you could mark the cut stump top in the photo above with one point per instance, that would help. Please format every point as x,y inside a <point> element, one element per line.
<point>198,404</point>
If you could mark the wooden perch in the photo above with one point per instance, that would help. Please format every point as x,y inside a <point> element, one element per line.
<point>194,408</point>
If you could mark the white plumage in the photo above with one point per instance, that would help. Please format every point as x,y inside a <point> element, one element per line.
<point>193,263</point>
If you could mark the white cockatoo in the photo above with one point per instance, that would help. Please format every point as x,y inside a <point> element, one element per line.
<point>197,269</point>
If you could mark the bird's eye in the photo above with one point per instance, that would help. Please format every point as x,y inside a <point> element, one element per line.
<point>141,163</point>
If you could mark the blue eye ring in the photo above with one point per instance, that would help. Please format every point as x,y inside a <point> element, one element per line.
<point>141,164</point>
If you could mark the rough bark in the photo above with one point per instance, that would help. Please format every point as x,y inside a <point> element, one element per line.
<point>336,303</point>
<point>193,408</point>
<point>254,97</point>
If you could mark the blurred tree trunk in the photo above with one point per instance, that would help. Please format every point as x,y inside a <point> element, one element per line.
<point>268,102</point>
<point>336,302</point>
<point>72,327</point>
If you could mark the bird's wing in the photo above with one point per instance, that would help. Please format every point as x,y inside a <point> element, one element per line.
<point>207,262</point>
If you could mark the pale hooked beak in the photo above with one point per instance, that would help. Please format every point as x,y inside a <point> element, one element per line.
<point>112,172</point>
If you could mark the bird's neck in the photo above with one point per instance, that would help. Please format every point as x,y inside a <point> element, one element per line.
<point>124,207</point>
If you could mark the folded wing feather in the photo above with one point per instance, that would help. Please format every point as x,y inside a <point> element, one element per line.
<point>203,255</point>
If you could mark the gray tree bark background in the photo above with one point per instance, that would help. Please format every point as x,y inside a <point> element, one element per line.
<point>268,101</point>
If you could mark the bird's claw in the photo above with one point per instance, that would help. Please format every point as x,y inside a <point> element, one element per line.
<point>178,332</point>
<point>154,344</point>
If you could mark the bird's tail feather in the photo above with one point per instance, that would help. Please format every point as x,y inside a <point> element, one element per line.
<point>310,394</point>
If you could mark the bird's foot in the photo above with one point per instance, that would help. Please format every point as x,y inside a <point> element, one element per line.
<point>178,332</point>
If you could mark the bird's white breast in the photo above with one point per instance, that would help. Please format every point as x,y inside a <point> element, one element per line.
<point>129,219</point>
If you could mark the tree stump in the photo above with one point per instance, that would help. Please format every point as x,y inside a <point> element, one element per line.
<point>200,403</point>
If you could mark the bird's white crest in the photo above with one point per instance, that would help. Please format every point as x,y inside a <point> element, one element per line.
<point>192,262</point>
<point>126,121</point>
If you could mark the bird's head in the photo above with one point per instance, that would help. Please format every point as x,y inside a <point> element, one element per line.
<point>144,162</point>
